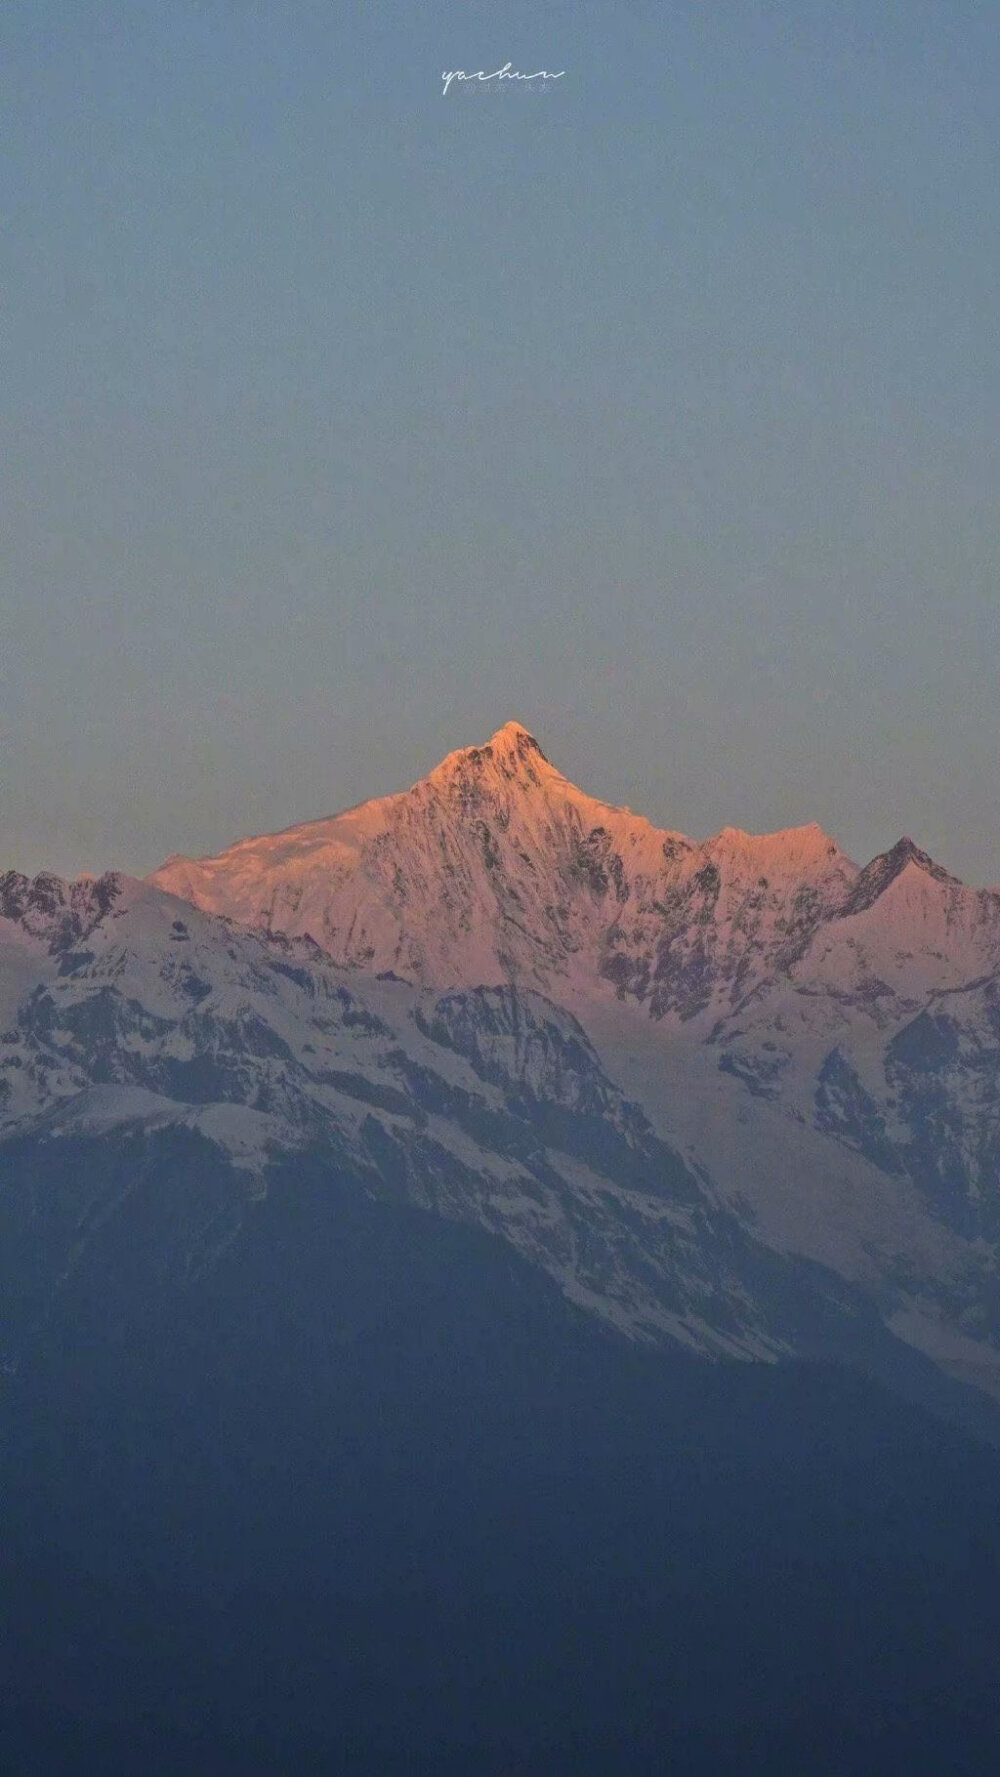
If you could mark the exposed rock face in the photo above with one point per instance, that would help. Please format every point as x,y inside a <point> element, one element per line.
<point>61,913</point>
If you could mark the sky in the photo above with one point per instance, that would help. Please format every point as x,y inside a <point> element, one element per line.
<point>344,420</point>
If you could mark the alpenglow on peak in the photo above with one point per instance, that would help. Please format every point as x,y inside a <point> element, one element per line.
<point>494,868</point>
<point>510,745</point>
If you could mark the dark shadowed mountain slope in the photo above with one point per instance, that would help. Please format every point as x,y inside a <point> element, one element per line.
<point>368,1495</point>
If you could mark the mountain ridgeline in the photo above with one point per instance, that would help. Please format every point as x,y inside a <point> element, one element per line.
<point>461,1258</point>
<point>496,868</point>
<point>858,1005</point>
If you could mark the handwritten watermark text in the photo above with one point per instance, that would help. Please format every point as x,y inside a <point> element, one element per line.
<point>499,76</point>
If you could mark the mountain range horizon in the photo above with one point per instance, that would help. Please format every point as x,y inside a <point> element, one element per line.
<point>815,1040</point>
<point>509,733</point>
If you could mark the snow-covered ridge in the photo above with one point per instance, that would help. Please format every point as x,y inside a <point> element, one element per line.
<point>820,1042</point>
<point>632,1157</point>
<point>496,868</point>
<point>167,1026</point>
<point>57,912</point>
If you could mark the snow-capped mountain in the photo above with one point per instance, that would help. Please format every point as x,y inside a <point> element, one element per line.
<point>677,1075</point>
<point>145,1042</point>
<point>777,949</point>
<point>496,868</point>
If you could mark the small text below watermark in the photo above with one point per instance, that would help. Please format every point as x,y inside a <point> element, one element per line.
<point>507,77</point>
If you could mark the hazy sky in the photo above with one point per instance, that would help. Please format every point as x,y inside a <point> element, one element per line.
<point>344,421</point>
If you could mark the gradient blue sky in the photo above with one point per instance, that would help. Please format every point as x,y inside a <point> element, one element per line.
<point>344,421</point>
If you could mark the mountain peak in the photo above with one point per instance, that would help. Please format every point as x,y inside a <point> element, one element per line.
<point>907,851</point>
<point>512,749</point>
<point>494,867</point>
<point>883,870</point>
<point>60,912</point>
<point>513,741</point>
<point>806,848</point>
<point>512,734</point>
